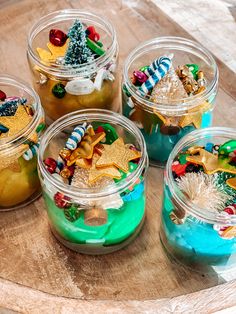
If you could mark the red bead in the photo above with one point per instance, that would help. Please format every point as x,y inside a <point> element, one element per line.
<point>230,210</point>
<point>57,37</point>
<point>62,201</point>
<point>3,96</point>
<point>50,164</point>
<point>92,34</point>
<point>178,168</point>
<point>99,129</point>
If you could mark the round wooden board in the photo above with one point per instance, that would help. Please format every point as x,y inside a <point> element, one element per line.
<point>39,274</point>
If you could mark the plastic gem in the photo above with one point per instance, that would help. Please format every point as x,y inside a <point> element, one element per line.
<point>72,213</point>
<point>3,96</point>
<point>57,37</point>
<point>59,90</point>
<point>50,164</point>
<point>61,200</point>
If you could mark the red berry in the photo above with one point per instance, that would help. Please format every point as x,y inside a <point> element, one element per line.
<point>92,34</point>
<point>50,164</point>
<point>57,37</point>
<point>99,129</point>
<point>230,210</point>
<point>62,201</point>
<point>3,96</point>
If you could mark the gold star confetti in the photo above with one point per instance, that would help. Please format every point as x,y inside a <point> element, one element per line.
<point>53,53</point>
<point>117,154</point>
<point>210,162</point>
<point>194,116</point>
<point>15,123</point>
<point>232,183</point>
<point>86,147</point>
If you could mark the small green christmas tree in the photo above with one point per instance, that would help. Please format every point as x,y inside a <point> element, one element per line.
<point>78,51</point>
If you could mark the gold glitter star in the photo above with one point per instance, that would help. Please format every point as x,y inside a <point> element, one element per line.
<point>117,154</point>
<point>86,147</point>
<point>232,183</point>
<point>210,162</point>
<point>15,123</point>
<point>194,116</point>
<point>53,53</point>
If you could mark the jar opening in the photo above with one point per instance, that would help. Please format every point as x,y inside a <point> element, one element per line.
<point>65,19</point>
<point>21,89</point>
<point>180,47</point>
<point>91,116</point>
<point>198,138</point>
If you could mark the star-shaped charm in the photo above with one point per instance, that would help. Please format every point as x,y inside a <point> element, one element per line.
<point>53,53</point>
<point>86,147</point>
<point>194,116</point>
<point>117,154</point>
<point>15,123</point>
<point>210,162</point>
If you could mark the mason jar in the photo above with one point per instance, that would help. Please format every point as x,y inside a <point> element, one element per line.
<point>65,88</point>
<point>19,182</point>
<point>194,230</point>
<point>165,121</point>
<point>98,219</point>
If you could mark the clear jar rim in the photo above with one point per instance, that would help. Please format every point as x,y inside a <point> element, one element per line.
<point>65,71</point>
<point>16,140</point>
<point>88,115</point>
<point>181,200</point>
<point>170,42</point>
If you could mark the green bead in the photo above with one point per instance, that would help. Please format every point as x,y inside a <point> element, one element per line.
<point>59,90</point>
<point>227,148</point>
<point>72,214</point>
<point>194,68</point>
<point>143,68</point>
<point>111,134</point>
<point>182,159</point>
<point>95,47</point>
<point>40,127</point>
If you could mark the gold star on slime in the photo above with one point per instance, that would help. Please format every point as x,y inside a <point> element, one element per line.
<point>117,154</point>
<point>15,123</point>
<point>53,53</point>
<point>194,116</point>
<point>210,162</point>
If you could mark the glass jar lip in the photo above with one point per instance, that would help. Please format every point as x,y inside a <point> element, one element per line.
<point>19,138</point>
<point>170,42</point>
<point>91,115</point>
<point>181,200</point>
<point>78,70</point>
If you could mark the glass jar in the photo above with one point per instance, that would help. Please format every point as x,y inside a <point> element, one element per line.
<point>164,122</point>
<point>119,207</point>
<point>62,88</point>
<point>19,182</point>
<point>195,235</point>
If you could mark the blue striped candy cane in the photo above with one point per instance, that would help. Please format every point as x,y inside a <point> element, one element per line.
<point>76,136</point>
<point>31,152</point>
<point>156,71</point>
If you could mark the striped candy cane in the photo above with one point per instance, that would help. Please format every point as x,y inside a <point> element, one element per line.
<point>31,152</point>
<point>156,71</point>
<point>60,164</point>
<point>76,136</point>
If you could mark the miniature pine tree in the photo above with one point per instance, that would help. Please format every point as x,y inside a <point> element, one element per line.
<point>78,51</point>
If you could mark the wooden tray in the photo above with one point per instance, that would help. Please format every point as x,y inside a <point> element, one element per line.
<point>37,274</point>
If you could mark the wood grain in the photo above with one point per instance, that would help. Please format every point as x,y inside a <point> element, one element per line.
<point>37,273</point>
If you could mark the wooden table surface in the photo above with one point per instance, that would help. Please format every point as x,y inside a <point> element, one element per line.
<point>37,274</point>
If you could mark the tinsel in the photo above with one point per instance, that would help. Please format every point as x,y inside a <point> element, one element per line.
<point>77,52</point>
<point>204,191</point>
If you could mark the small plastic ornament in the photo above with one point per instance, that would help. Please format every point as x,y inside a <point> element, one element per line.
<point>3,96</point>
<point>92,34</point>
<point>58,90</point>
<point>139,77</point>
<point>50,164</point>
<point>57,37</point>
<point>95,47</point>
<point>72,213</point>
<point>227,148</point>
<point>61,200</point>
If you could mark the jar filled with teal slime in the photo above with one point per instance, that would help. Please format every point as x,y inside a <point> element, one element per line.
<point>198,226</point>
<point>169,89</point>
